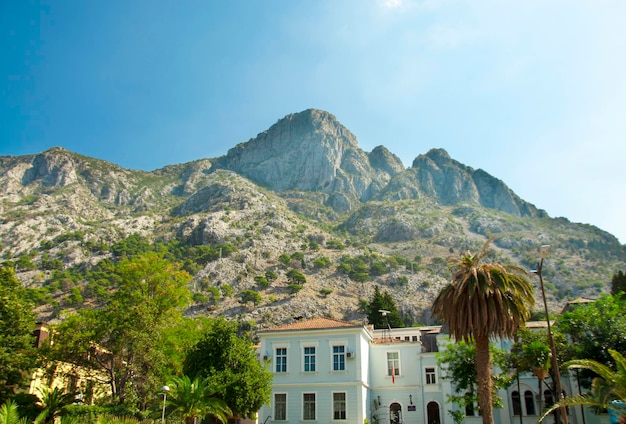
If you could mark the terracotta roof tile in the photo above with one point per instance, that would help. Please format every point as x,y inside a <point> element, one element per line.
<point>314,324</point>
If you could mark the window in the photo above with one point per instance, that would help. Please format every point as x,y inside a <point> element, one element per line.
<point>308,406</point>
<point>309,359</point>
<point>431,375</point>
<point>339,358</point>
<point>517,404</point>
<point>339,406</point>
<point>281,359</point>
<point>280,406</point>
<point>393,364</point>
<point>529,399</point>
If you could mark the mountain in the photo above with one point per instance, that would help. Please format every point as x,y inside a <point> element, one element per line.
<point>303,189</point>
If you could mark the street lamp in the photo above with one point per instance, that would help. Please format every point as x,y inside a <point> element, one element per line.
<point>543,253</point>
<point>165,390</point>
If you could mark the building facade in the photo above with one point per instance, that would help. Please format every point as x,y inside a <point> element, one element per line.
<point>329,371</point>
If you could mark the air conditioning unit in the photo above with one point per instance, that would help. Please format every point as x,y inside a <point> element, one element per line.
<point>266,358</point>
<point>350,355</point>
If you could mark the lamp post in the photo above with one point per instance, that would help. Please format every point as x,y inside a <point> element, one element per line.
<point>165,390</point>
<point>543,253</point>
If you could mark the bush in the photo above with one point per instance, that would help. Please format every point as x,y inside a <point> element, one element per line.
<point>294,288</point>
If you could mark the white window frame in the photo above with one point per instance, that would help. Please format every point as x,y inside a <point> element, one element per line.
<point>310,344</point>
<point>275,347</point>
<point>338,343</point>
<point>395,362</point>
<point>314,406</point>
<point>345,406</point>
<point>275,407</point>
<point>431,377</point>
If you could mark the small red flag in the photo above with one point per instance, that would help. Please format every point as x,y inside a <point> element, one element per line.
<point>393,373</point>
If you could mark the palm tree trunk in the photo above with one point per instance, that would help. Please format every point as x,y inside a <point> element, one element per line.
<point>483,371</point>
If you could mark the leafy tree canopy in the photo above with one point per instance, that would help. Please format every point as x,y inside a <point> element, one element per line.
<point>383,302</point>
<point>17,323</point>
<point>230,361</point>
<point>618,283</point>
<point>125,339</point>
<point>595,328</point>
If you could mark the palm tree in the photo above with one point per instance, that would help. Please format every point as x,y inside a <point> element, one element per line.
<point>196,399</point>
<point>484,300</point>
<point>10,415</point>
<point>53,402</point>
<point>607,389</point>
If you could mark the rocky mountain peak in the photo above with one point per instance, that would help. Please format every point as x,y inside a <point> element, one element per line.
<point>311,151</point>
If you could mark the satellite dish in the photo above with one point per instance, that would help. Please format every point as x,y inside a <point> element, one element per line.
<point>384,312</point>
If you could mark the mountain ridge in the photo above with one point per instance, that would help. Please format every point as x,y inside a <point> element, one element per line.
<point>304,179</point>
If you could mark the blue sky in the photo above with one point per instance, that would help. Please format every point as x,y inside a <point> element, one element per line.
<point>533,92</point>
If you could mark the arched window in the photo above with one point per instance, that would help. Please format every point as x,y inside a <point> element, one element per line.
<point>548,399</point>
<point>529,399</point>
<point>432,411</point>
<point>517,404</point>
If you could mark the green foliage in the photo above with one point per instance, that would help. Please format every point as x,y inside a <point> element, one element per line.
<point>458,361</point>
<point>271,275</point>
<point>26,263</point>
<point>251,296</point>
<point>129,330</point>
<point>325,291</point>
<point>618,283</point>
<point>335,244</point>
<point>608,389</point>
<point>17,323</point>
<point>261,281</point>
<point>322,262</point>
<point>132,245</point>
<point>284,259</point>
<point>294,288</point>
<point>297,256</point>
<point>54,401</point>
<point>230,362</point>
<point>226,290</point>
<point>296,277</point>
<point>9,414</point>
<point>594,329</point>
<point>378,268</point>
<point>196,398</point>
<point>383,302</point>
<point>214,295</point>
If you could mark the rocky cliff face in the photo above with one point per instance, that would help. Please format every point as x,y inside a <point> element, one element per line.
<point>451,183</point>
<point>312,151</point>
<point>61,205</point>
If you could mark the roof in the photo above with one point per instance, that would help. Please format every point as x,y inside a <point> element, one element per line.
<point>569,306</point>
<point>314,324</point>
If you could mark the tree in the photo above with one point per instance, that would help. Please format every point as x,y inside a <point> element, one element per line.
<point>10,415</point>
<point>531,353</point>
<point>459,364</point>
<point>230,362</point>
<point>296,277</point>
<point>125,338</point>
<point>383,302</point>
<point>483,300</point>
<point>53,401</point>
<point>17,323</point>
<point>595,328</point>
<point>618,283</point>
<point>607,389</point>
<point>196,399</point>
<point>251,296</point>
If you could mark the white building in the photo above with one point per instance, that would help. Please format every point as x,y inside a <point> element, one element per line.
<point>329,371</point>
